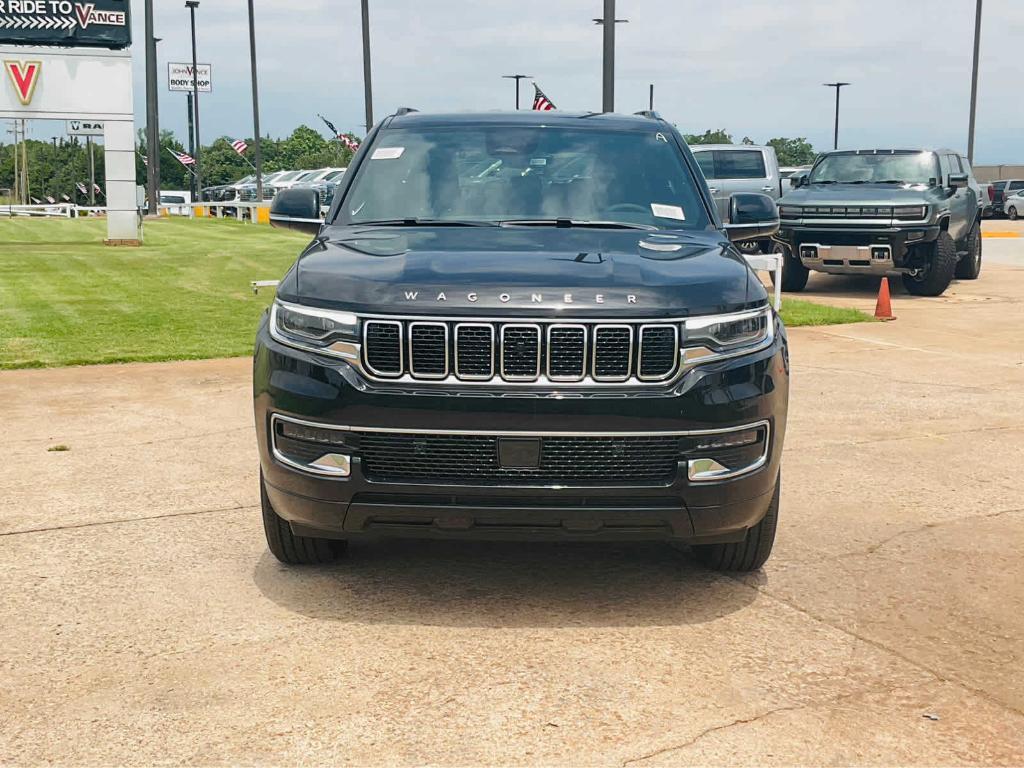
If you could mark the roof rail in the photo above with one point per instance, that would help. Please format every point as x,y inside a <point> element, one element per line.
<point>405,110</point>
<point>650,114</point>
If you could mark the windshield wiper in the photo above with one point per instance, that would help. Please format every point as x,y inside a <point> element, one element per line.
<point>823,181</point>
<point>416,222</point>
<point>893,181</point>
<point>570,223</point>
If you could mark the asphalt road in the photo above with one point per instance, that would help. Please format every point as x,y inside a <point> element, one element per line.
<point>143,622</point>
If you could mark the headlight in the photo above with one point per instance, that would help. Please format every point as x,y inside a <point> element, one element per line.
<point>325,331</point>
<point>910,212</point>
<point>790,211</point>
<point>713,337</point>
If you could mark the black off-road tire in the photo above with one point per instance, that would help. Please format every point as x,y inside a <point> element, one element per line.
<point>1012,212</point>
<point>749,554</point>
<point>292,549</point>
<point>969,266</point>
<point>938,273</point>
<point>794,273</point>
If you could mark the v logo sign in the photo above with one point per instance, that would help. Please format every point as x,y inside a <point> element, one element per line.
<point>24,76</point>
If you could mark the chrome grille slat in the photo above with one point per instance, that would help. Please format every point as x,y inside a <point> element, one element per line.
<point>549,352</point>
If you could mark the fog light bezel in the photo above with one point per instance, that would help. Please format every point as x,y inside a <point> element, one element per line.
<point>336,460</point>
<point>703,469</point>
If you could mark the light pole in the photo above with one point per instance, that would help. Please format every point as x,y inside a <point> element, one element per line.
<point>255,106</point>
<point>837,86</point>
<point>152,117</point>
<point>192,5</point>
<point>974,83</point>
<point>608,67</point>
<point>517,78</point>
<point>367,89</point>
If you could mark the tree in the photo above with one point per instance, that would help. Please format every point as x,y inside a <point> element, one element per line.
<point>709,137</point>
<point>793,151</point>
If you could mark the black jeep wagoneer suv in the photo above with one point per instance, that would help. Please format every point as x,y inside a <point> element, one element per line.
<point>522,325</point>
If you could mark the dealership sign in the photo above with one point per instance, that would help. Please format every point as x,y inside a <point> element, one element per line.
<point>179,77</point>
<point>98,23</point>
<point>84,127</point>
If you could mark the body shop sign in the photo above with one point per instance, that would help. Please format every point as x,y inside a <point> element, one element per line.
<point>97,23</point>
<point>179,77</point>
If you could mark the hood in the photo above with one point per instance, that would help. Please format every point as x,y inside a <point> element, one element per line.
<point>861,194</point>
<point>522,271</point>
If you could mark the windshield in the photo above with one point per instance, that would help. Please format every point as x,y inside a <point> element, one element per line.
<point>506,173</point>
<point>290,175</point>
<point>902,167</point>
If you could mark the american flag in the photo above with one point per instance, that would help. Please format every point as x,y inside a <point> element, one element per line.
<point>182,157</point>
<point>81,188</point>
<point>145,160</point>
<point>50,199</point>
<point>239,146</point>
<point>96,189</point>
<point>540,100</point>
<point>348,141</point>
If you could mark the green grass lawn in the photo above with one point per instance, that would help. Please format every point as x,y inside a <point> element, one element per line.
<point>67,299</point>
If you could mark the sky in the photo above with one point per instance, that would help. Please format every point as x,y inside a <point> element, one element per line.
<point>752,67</point>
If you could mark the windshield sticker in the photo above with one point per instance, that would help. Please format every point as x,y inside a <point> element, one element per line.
<point>538,161</point>
<point>663,211</point>
<point>387,153</point>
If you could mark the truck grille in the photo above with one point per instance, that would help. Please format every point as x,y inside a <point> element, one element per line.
<point>521,352</point>
<point>395,457</point>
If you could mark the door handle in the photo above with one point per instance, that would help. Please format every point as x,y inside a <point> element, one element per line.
<point>767,188</point>
<point>713,190</point>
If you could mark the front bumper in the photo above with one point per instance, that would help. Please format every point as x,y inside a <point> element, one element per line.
<point>848,249</point>
<point>742,391</point>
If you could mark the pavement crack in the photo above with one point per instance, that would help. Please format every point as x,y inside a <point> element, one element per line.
<point>97,523</point>
<point>713,729</point>
<point>925,527</point>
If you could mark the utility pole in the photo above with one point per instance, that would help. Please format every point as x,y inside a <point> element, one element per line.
<point>367,89</point>
<point>92,172</point>
<point>255,106</point>
<point>24,162</point>
<point>517,78</point>
<point>974,83</point>
<point>152,118</point>
<point>191,144</point>
<point>608,66</point>
<point>192,5</point>
<point>650,99</point>
<point>16,192</point>
<point>837,86</point>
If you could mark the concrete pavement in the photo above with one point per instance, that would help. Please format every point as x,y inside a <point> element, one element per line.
<point>142,620</point>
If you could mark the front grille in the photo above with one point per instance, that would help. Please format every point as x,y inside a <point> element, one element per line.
<point>848,212</point>
<point>577,352</point>
<point>395,457</point>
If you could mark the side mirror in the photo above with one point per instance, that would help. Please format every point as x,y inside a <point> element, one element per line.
<point>797,179</point>
<point>957,181</point>
<point>751,215</point>
<point>297,209</point>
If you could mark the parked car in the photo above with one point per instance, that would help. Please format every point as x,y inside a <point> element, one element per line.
<point>177,200</point>
<point>731,168</point>
<point>1013,206</point>
<point>1002,189</point>
<point>562,345</point>
<point>325,182</point>
<point>873,211</point>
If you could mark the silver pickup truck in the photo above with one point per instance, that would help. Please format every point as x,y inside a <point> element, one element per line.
<point>732,168</point>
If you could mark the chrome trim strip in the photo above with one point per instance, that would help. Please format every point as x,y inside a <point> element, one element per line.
<point>474,376</point>
<point>586,352</point>
<point>412,357</point>
<point>525,433</point>
<point>501,353</point>
<point>401,349</point>
<point>640,354</point>
<point>629,361</point>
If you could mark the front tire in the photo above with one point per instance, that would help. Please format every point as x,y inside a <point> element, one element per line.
<point>292,549</point>
<point>969,266</point>
<point>749,554</point>
<point>1012,212</point>
<point>937,274</point>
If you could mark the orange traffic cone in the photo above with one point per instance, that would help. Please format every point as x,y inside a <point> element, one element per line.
<point>883,307</point>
